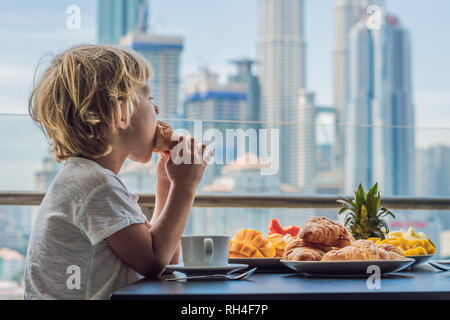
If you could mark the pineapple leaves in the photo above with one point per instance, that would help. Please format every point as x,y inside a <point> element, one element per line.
<point>372,200</point>
<point>360,196</point>
<point>375,205</point>
<point>345,210</point>
<point>364,217</point>
<point>347,203</point>
<point>348,219</point>
<point>383,212</point>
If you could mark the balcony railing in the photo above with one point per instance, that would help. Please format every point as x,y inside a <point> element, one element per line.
<point>254,201</point>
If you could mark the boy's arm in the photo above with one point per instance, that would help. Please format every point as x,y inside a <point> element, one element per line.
<point>162,192</point>
<point>176,256</point>
<point>147,251</point>
<point>162,185</point>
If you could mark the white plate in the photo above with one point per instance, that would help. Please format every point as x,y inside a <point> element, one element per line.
<point>263,264</point>
<point>204,270</point>
<point>347,267</point>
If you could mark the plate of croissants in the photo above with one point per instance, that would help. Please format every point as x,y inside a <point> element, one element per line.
<point>326,247</point>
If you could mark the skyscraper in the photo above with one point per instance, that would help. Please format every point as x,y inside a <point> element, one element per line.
<point>281,59</point>
<point>205,98</point>
<point>163,53</point>
<point>302,143</point>
<point>116,18</point>
<point>379,113</point>
<point>249,81</point>
<point>346,14</point>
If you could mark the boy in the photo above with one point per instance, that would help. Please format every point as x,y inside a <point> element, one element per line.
<point>90,237</point>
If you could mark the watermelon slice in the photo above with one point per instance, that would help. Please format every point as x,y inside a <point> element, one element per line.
<point>275,227</point>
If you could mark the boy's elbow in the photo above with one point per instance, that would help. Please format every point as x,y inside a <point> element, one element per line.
<point>153,270</point>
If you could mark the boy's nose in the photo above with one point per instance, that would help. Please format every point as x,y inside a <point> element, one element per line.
<point>156,109</point>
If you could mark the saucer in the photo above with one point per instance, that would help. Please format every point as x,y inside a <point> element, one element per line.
<point>205,270</point>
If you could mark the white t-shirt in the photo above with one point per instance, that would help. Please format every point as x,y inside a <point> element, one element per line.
<point>67,255</point>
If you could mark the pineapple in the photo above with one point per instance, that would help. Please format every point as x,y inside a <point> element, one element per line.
<point>364,218</point>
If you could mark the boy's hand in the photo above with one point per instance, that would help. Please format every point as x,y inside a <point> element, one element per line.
<point>187,164</point>
<point>161,174</point>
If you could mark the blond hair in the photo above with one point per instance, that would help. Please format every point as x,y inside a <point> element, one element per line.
<point>77,98</point>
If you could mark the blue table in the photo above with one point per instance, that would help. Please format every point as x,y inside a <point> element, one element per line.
<point>422,282</point>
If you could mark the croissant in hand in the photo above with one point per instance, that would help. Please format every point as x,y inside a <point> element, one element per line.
<point>165,137</point>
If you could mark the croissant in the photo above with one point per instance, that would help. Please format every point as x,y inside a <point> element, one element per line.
<point>363,250</point>
<point>163,137</point>
<point>326,232</point>
<point>301,250</point>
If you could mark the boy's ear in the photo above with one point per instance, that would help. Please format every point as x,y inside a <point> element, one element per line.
<point>120,115</point>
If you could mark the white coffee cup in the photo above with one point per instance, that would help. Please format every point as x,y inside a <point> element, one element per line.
<point>200,251</point>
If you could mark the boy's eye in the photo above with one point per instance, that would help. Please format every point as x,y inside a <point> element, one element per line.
<point>151,98</point>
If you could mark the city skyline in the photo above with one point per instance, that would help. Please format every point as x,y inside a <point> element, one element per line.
<point>284,97</point>
<point>431,91</point>
<point>317,96</point>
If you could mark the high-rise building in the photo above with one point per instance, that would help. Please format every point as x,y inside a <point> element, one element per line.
<point>282,70</point>
<point>346,14</point>
<point>163,53</point>
<point>116,18</point>
<point>205,98</point>
<point>246,77</point>
<point>302,143</point>
<point>379,144</point>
